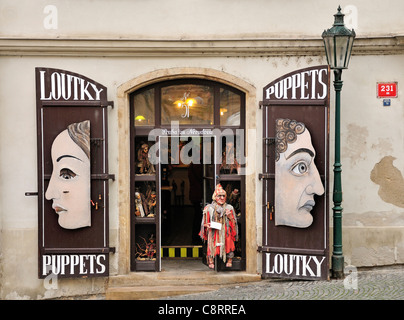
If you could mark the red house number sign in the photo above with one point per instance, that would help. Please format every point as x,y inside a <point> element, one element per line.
<point>387,90</point>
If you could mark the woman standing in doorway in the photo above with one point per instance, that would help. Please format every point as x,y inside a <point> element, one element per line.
<point>219,228</point>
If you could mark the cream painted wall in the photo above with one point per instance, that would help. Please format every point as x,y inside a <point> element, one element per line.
<point>195,19</point>
<point>370,131</point>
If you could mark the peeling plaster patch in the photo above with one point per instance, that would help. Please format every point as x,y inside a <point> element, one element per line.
<point>355,148</point>
<point>390,180</point>
<point>15,296</point>
<point>384,146</point>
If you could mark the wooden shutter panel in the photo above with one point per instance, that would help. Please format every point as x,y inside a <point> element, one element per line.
<point>289,251</point>
<point>64,98</point>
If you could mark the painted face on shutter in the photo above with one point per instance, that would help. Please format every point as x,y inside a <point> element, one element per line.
<point>69,186</point>
<point>297,180</point>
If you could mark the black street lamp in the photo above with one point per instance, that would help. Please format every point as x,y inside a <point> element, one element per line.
<point>338,41</point>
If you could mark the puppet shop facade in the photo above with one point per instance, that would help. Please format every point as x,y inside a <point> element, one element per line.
<point>140,138</point>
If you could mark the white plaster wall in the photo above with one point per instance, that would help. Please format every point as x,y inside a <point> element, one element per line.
<point>369,130</point>
<point>196,19</point>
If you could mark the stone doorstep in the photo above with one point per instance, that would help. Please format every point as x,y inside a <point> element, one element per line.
<point>134,279</point>
<point>147,285</point>
<point>154,292</point>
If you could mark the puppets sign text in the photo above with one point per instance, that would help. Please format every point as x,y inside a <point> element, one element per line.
<point>74,264</point>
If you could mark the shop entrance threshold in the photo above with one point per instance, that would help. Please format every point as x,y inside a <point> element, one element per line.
<point>183,265</point>
<point>178,276</point>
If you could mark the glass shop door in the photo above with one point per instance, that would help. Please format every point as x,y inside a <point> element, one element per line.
<point>187,181</point>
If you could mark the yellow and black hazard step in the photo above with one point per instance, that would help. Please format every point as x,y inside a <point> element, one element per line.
<point>181,251</point>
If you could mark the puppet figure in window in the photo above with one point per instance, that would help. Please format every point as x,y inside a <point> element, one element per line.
<point>151,202</point>
<point>151,248</point>
<point>229,163</point>
<point>146,250</point>
<point>141,205</point>
<point>144,165</point>
<point>234,200</point>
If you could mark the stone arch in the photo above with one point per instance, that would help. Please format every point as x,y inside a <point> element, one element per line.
<point>123,109</point>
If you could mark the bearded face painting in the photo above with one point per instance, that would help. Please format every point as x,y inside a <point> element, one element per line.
<point>70,182</point>
<point>297,179</point>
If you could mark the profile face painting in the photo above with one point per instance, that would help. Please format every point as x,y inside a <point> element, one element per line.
<point>297,179</point>
<point>70,182</point>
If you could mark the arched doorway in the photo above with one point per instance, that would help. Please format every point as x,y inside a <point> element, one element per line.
<point>127,148</point>
<point>187,135</point>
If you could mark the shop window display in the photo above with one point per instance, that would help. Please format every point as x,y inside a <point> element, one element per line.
<point>168,196</point>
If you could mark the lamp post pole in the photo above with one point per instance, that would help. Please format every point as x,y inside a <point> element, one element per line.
<point>338,42</point>
<point>337,260</point>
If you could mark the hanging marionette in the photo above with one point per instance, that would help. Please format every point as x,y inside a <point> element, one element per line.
<point>229,163</point>
<point>151,248</point>
<point>144,164</point>
<point>151,202</point>
<point>234,200</point>
<point>141,205</point>
<point>219,228</point>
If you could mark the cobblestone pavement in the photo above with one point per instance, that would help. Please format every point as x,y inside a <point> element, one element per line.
<point>373,284</point>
